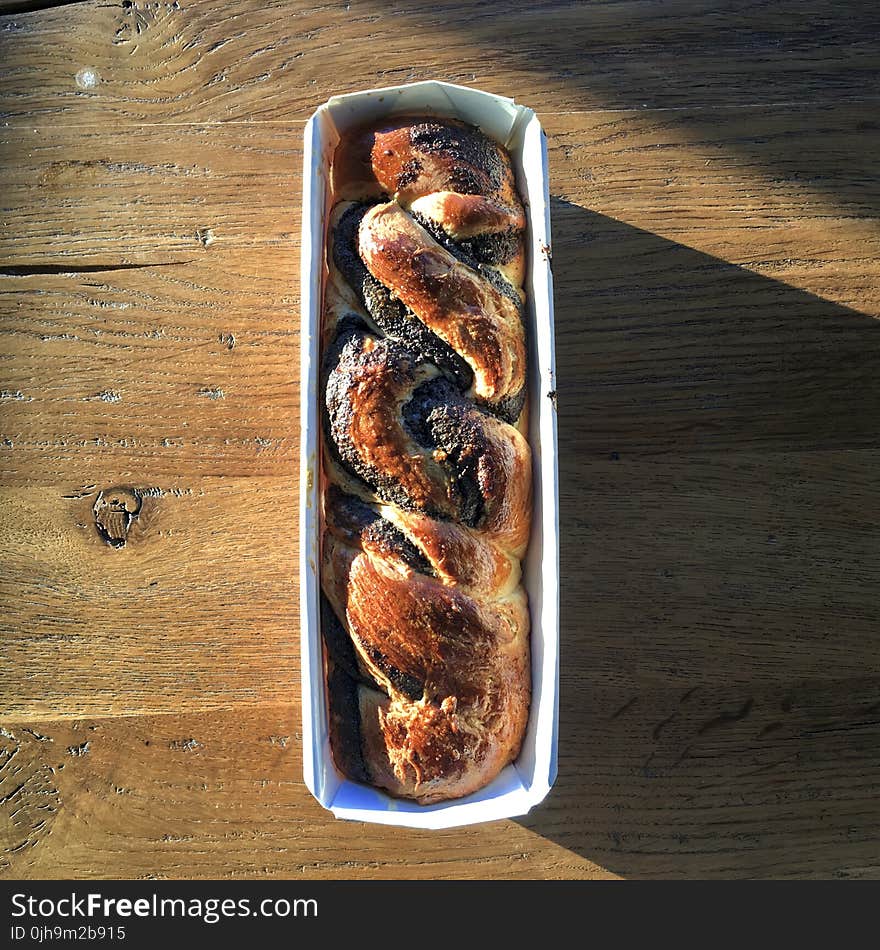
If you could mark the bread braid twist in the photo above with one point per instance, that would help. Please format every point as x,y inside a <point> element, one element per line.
<point>427,473</point>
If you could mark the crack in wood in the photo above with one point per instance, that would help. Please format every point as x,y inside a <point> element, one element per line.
<point>627,705</point>
<point>655,735</point>
<point>36,270</point>
<point>186,745</point>
<point>38,735</point>
<point>84,492</point>
<point>770,727</point>
<point>30,6</point>
<point>726,717</point>
<point>29,799</point>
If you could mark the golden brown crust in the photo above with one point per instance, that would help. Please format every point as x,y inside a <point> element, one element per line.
<point>450,298</point>
<point>457,555</point>
<point>427,476</point>
<point>410,157</point>
<point>467,216</point>
<point>454,672</point>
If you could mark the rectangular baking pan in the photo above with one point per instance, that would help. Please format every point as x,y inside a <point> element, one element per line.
<point>527,781</point>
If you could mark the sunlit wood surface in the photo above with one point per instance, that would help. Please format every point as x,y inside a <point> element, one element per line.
<point>716,189</point>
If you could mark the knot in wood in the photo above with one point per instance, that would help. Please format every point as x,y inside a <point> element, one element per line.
<point>116,509</point>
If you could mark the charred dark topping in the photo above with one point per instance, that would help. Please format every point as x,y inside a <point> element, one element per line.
<point>475,158</point>
<point>455,248</point>
<point>338,642</point>
<point>345,724</point>
<point>503,286</point>
<point>392,317</point>
<point>346,360</point>
<point>464,252</point>
<point>411,687</point>
<point>416,412</point>
<point>348,514</point>
<point>498,247</point>
<point>439,418</point>
<point>390,539</point>
<point>409,173</point>
<point>349,327</point>
<point>509,407</point>
<point>362,524</point>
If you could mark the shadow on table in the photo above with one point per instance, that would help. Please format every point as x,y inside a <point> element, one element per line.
<point>713,563</point>
<point>696,63</point>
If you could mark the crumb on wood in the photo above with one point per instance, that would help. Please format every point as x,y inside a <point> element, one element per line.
<point>106,395</point>
<point>87,78</point>
<point>186,745</point>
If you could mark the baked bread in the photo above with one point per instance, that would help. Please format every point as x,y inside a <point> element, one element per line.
<point>426,486</point>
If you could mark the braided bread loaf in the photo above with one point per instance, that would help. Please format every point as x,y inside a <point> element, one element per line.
<point>427,473</point>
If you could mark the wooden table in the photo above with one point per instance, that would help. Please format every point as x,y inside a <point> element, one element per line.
<point>715,213</point>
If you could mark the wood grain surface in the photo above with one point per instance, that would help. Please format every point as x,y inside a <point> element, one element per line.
<point>716,194</point>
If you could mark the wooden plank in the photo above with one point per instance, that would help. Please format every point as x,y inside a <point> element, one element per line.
<point>743,569</point>
<point>97,196</point>
<point>151,372</point>
<point>746,570</point>
<point>719,782</point>
<point>719,418</point>
<point>150,323</point>
<point>697,570</point>
<point>664,349</point>
<point>203,60</point>
<point>150,340</point>
<point>700,783</point>
<point>717,301</point>
<point>222,319</point>
<point>192,606</point>
<point>216,796</point>
<point>728,182</point>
